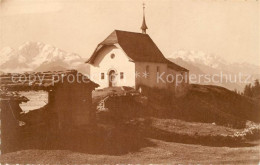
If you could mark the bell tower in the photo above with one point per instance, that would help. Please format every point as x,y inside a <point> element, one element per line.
<point>144,26</point>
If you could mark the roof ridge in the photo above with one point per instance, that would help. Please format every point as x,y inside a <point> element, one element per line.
<point>137,46</point>
<point>116,30</point>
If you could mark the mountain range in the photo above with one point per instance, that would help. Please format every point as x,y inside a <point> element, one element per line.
<point>37,56</point>
<point>200,63</point>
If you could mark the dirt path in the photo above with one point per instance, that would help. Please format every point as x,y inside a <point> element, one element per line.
<point>162,152</point>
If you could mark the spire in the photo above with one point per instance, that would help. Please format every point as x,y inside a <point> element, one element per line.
<point>144,27</point>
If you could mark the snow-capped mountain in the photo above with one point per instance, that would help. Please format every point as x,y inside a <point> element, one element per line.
<point>37,56</point>
<point>201,63</point>
<point>200,57</point>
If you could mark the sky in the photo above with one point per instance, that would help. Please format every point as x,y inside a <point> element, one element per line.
<point>226,28</point>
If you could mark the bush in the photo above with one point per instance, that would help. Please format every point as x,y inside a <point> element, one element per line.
<point>250,133</point>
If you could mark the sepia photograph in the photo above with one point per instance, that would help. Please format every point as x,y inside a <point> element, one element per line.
<point>129,82</point>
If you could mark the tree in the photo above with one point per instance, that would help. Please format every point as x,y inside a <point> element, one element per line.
<point>256,88</point>
<point>248,90</point>
<point>252,90</point>
<point>257,83</point>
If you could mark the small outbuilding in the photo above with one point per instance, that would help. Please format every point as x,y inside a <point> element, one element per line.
<point>69,95</point>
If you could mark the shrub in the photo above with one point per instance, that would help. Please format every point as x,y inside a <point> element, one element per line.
<point>250,133</point>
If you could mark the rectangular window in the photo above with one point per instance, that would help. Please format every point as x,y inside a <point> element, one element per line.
<point>147,69</point>
<point>102,76</point>
<point>158,69</point>
<point>121,75</point>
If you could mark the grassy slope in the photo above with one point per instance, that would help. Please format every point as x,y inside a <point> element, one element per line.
<point>202,103</point>
<point>220,104</point>
<point>207,103</point>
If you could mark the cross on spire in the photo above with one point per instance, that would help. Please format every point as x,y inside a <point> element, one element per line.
<point>144,26</point>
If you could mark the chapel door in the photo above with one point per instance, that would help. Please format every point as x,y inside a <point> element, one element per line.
<point>112,78</point>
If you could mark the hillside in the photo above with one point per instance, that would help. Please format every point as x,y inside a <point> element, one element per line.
<point>202,103</point>
<point>210,104</point>
<point>149,136</point>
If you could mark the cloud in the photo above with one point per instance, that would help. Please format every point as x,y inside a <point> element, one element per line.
<point>14,7</point>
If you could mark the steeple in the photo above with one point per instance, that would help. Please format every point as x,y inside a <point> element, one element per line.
<point>144,27</point>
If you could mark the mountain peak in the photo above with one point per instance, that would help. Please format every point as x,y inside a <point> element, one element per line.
<point>31,55</point>
<point>199,57</point>
<point>201,63</point>
<point>6,50</point>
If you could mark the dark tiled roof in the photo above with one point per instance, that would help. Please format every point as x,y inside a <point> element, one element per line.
<point>139,47</point>
<point>12,96</point>
<point>175,66</point>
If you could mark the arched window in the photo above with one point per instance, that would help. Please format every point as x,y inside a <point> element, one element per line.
<point>147,69</point>
<point>112,55</point>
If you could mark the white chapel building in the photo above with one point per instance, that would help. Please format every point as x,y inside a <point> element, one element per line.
<point>133,59</point>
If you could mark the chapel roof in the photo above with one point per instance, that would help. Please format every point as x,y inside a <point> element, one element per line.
<point>138,47</point>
